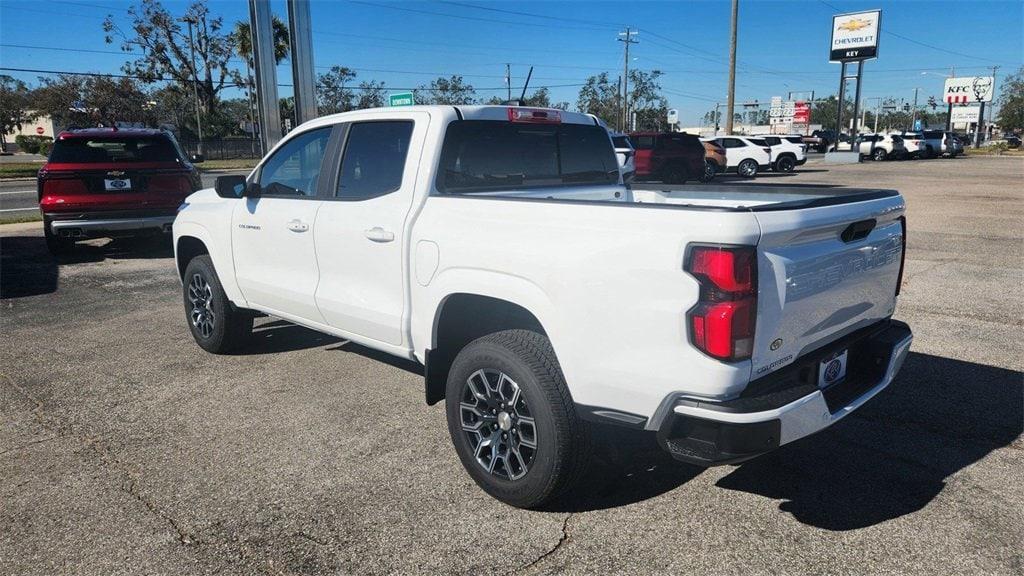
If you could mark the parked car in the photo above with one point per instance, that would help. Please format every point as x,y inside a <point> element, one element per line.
<point>746,156</point>
<point>880,146</point>
<point>919,145</point>
<point>787,152</point>
<point>488,242</point>
<point>672,157</point>
<point>951,145</point>
<point>1013,141</point>
<point>102,182</point>
<point>823,140</point>
<point>625,154</point>
<point>714,159</point>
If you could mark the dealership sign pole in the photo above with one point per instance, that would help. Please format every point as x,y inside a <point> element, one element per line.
<point>854,39</point>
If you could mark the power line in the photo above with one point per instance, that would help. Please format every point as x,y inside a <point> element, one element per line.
<point>464,17</point>
<point>237,85</point>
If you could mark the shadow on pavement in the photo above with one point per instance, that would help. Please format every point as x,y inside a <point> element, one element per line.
<point>26,267</point>
<point>892,457</point>
<point>282,336</point>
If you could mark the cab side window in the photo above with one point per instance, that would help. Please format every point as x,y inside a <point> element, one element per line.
<point>374,159</point>
<point>732,143</point>
<point>294,169</point>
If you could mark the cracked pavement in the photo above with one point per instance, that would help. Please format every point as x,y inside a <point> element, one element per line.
<point>125,449</point>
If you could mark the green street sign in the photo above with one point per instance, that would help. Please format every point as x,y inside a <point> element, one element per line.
<point>401,99</point>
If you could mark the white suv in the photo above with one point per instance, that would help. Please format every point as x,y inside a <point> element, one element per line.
<point>788,152</point>
<point>918,145</point>
<point>745,156</point>
<point>881,146</point>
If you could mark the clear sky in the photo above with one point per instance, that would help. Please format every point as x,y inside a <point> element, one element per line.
<point>783,46</point>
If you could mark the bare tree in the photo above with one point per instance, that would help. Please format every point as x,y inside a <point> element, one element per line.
<point>166,44</point>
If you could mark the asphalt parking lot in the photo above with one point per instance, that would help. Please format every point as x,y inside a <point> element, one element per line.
<point>125,449</point>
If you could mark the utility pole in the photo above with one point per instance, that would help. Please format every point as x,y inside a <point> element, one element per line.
<point>994,68</point>
<point>195,82</point>
<point>913,118</point>
<point>628,35</point>
<point>508,81</point>
<point>732,68</point>
<point>949,105</point>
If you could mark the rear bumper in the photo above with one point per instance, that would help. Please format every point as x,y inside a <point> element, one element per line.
<point>788,406</point>
<point>98,224</point>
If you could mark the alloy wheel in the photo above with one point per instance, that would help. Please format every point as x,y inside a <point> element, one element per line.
<point>200,296</point>
<point>498,424</point>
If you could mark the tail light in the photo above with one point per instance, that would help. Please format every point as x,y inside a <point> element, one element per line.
<point>903,253</point>
<point>722,323</point>
<point>534,115</point>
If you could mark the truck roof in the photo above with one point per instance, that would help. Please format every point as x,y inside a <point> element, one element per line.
<point>468,112</point>
<point>109,132</point>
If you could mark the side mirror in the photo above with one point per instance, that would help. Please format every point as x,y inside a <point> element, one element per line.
<point>232,186</point>
<point>196,158</point>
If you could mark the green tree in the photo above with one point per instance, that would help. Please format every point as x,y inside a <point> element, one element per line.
<point>372,95</point>
<point>1011,103</point>
<point>451,91</point>
<point>601,98</point>
<point>332,94</point>
<point>646,101</point>
<point>15,99</point>
<point>165,48</point>
<point>92,100</point>
<point>241,40</point>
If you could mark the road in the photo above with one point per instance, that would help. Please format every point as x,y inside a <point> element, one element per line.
<point>125,449</point>
<point>18,197</point>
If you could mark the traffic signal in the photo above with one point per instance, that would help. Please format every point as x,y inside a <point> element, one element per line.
<point>932,102</point>
<point>906,107</point>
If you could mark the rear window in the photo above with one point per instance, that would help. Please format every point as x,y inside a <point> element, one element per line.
<point>644,142</point>
<point>621,142</point>
<point>758,142</point>
<point>794,139</point>
<point>896,139</point>
<point>482,155</point>
<point>113,150</point>
<point>773,140</point>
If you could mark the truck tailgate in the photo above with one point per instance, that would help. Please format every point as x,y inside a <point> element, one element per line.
<point>824,272</point>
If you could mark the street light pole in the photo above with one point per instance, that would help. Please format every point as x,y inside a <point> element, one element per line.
<point>195,80</point>
<point>731,100</point>
<point>913,118</point>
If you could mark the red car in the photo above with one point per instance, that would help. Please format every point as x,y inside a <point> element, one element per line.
<point>672,157</point>
<point>104,182</point>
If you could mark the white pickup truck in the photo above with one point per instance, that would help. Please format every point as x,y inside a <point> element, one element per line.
<point>499,247</point>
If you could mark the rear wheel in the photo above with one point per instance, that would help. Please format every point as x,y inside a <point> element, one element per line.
<point>512,420</point>
<point>878,155</point>
<point>710,170</point>
<point>785,164</point>
<point>216,324</point>
<point>747,168</point>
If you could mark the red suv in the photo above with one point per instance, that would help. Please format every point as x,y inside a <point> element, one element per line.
<point>672,157</point>
<point>101,182</point>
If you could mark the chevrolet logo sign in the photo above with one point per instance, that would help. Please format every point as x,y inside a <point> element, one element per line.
<point>854,24</point>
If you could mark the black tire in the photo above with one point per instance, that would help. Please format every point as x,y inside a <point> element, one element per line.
<point>929,153</point>
<point>785,164</point>
<point>561,438</point>
<point>878,155</point>
<point>710,170</point>
<point>55,244</point>
<point>747,168</point>
<point>230,327</point>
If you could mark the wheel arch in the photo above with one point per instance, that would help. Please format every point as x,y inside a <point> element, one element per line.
<point>185,249</point>
<point>463,316</point>
<point>192,239</point>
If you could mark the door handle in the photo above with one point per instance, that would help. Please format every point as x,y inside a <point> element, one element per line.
<point>378,234</point>
<point>297,225</point>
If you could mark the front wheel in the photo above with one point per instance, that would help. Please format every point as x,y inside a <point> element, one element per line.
<point>878,155</point>
<point>216,324</point>
<point>710,170</point>
<point>512,420</point>
<point>747,168</point>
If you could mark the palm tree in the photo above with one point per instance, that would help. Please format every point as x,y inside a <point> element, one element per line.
<point>241,40</point>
